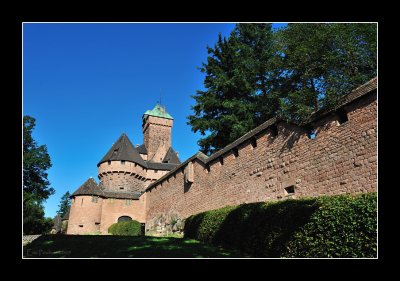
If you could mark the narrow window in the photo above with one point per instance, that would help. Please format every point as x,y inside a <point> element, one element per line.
<point>235,152</point>
<point>274,131</point>
<point>253,142</point>
<point>109,162</point>
<point>289,190</point>
<point>82,202</point>
<point>342,116</point>
<point>155,171</point>
<point>311,133</point>
<point>221,160</point>
<point>81,225</point>
<point>121,188</point>
<point>208,168</point>
<point>122,162</point>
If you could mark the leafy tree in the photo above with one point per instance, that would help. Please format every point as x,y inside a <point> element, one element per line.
<point>36,162</point>
<point>33,216</point>
<point>322,62</point>
<point>257,73</point>
<point>36,187</point>
<point>65,203</point>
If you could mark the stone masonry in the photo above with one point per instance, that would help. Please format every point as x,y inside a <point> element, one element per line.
<point>278,161</point>
<point>334,153</point>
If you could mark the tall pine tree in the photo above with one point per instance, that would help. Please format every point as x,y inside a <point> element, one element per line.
<point>65,203</point>
<point>236,75</point>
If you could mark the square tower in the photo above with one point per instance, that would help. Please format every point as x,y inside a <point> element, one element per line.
<point>157,125</point>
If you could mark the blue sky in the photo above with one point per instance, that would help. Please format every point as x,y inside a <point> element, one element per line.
<point>86,84</point>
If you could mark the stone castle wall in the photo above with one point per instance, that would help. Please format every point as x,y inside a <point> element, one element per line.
<point>113,208</point>
<point>342,158</point>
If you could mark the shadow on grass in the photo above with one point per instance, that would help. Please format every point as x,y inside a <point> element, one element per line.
<point>102,246</point>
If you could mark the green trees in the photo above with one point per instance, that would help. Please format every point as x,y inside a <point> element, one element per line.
<point>258,73</point>
<point>234,78</point>
<point>36,187</point>
<point>65,203</point>
<point>322,62</point>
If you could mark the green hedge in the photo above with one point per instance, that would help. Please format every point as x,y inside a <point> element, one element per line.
<point>129,228</point>
<point>328,226</point>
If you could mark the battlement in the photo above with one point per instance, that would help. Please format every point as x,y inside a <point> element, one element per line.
<point>333,153</point>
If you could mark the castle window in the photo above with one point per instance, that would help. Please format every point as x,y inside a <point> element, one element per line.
<point>274,131</point>
<point>311,134</point>
<point>94,199</point>
<point>155,171</point>
<point>128,202</point>
<point>122,162</point>
<point>253,142</point>
<point>289,190</point>
<point>121,188</point>
<point>235,152</point>
<point>81,225</point>
<point>342,116</point>
<point>208,168</point>
<point>82,202</point>
<point>109,162</point>
<point>221,160</point>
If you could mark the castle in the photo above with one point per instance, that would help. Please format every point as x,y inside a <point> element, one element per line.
<point>334,153</point>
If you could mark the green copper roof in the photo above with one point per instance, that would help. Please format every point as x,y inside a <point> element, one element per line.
<point>158,111</point>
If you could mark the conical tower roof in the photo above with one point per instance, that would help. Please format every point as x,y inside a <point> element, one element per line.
<point>123,149</point>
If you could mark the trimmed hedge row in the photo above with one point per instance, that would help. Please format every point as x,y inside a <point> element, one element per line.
<point>127,228</point>
<point>328,226</point>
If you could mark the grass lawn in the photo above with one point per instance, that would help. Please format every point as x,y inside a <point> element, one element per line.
<point>107,246</point>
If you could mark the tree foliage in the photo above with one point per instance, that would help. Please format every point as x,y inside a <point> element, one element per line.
<point>33,216</point>
<point>65,203</point>
<point>36,163</point>
<point>257,73</point>
<point>36,187</point>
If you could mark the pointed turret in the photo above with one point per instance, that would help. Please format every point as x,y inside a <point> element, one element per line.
<point>123,149</point>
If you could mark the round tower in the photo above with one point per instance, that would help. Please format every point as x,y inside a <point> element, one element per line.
<point>85,210</point>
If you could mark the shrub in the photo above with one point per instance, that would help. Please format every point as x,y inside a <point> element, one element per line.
<point>127,228</point>
<point>329,226</point>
